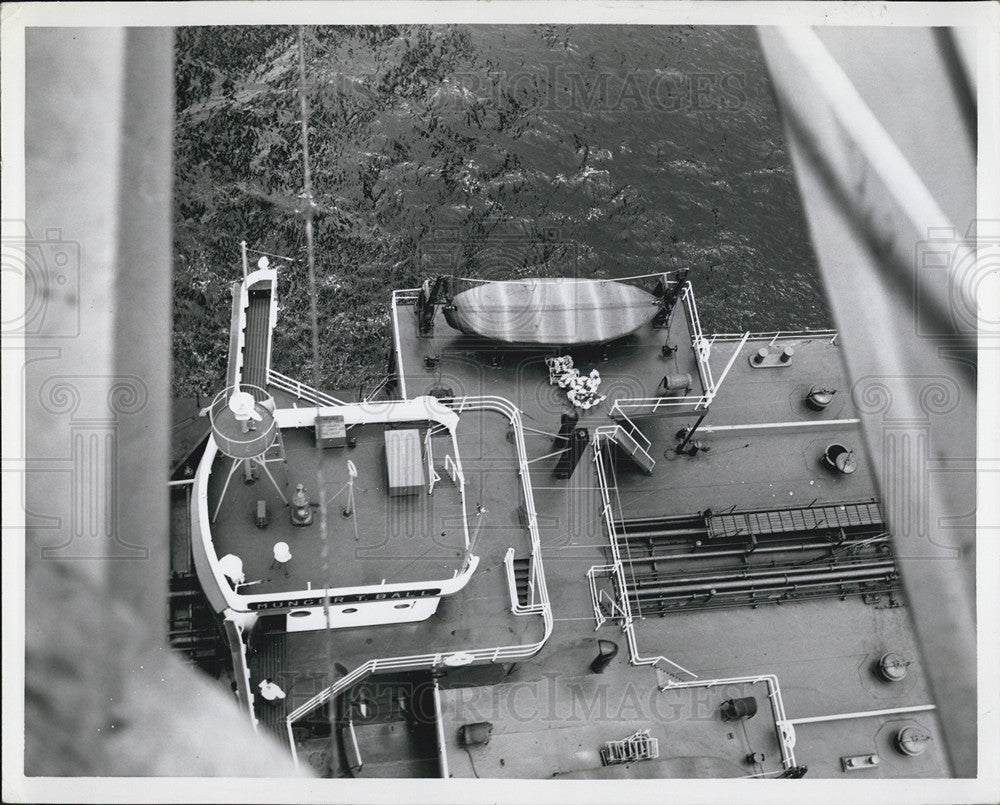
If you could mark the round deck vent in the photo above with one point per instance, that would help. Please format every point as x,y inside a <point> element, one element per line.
<point>911,741</point>
<point>893,667</point>
<point>819,397</point>
<point>840,458</point>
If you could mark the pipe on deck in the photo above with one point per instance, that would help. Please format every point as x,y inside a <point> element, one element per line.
<point>873,571</point>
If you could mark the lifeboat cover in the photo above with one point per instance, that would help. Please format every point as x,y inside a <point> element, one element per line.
<point>551,311</point>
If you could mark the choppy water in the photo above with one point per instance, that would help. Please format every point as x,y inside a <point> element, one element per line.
<point>660,148</point>
<point>491,151</point>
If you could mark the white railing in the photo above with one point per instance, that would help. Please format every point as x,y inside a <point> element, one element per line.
<point>240,299</point>
<point>784,728</point>
<point>644,406</point>
<point>301,390</point>
<point>252,443</point>
<point>482,655</point>
<point>615,573</point>
<point>651,405</point>
<point>636,433</point>
<point>612,431</point>
<point>702,348</point>
<point>624,605</point>
<point>407,296</point>
<point>780,335</point>
<point>515,605</point>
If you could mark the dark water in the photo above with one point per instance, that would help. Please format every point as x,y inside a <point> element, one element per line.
<point>679,163</point>
<point>489,151</point>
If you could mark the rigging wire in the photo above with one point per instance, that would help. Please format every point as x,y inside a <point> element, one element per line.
<point>307,194</point>
<point>651,275</point>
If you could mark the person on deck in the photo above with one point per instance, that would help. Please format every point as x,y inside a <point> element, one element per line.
<point>271,691</point>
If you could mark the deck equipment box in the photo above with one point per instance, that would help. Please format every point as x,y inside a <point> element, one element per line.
<point>405,462</point>
<point>331,431</point>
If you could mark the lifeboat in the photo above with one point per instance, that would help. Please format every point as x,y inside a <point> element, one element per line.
<point>551,311</point>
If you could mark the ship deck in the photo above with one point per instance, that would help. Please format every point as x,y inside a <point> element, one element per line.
<point>478,616</point>
<point>550,713</point>
<point>411,538</point>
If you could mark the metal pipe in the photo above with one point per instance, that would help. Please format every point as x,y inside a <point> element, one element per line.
<point>439,724</point>
<point>730,599</point>
<point>728,574</point>
<point>669,532</point>
<point>795,546</point>
<point>690,433</point>
<point>640,522</point>
<point>891,711</point>
<point>873,570</point>
<point>817,423</point>
<point>773,570</point>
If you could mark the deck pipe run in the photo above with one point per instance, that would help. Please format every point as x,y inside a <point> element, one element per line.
<point>819,545</point>
<point>659,605</point>
<point>744,573</point>
<point>722,582</point>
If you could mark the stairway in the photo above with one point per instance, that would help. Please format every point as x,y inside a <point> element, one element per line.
<point>193,630</point>
<point>271,663</point>
<point>256,339</point>
<point>522,579</point>
<point>393,723</point>
<point>628,444</point>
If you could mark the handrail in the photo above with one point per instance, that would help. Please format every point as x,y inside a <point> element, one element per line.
<point>611,432</point>
<point>237,338</point>
<point>698,340</point>
<point>301,390</point>
<point>624,604</point>
<point>515,605</point>
<point>786,732</point>
<point>784,726</point>
<point>779,335</point>
<point>635,428</point>
<point>254,442</point>
<point>701,347</point>
<point>650,405</point>
<point>492,654</point>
